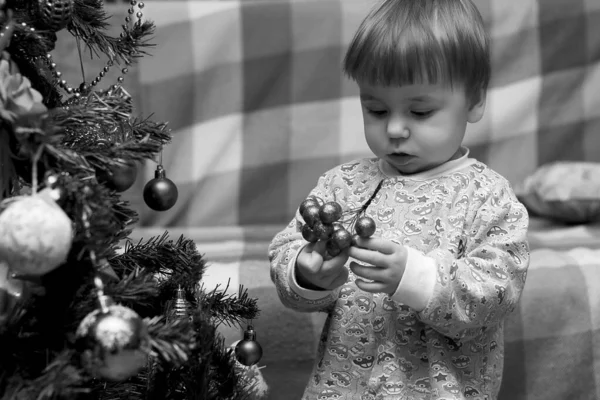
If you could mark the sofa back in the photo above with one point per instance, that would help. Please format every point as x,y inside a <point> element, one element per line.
<point>259,108</point>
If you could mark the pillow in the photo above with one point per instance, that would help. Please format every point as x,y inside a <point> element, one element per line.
<point>564,191</point>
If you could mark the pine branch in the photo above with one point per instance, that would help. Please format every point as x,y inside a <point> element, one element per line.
<point>90,20</point>
<point>229,309</point>
<point>172,342</point>
<point>59,380</point>
<point>178,263</point>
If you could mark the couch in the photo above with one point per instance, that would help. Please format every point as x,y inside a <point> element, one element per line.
<point>259,109</point>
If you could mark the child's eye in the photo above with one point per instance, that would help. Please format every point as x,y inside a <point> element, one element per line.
<point>422,113</point>
<point>378,113</point>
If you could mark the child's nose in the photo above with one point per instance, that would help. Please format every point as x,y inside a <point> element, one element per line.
<point>397,128</point>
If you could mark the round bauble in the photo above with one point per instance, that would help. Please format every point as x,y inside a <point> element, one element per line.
<point>248,351</point>
<point>309,235</point>
<point>35,235</point>
<point>365,227</point>
<point>307,203</point>
<point>118,177</point>
<point>311,215</point>
<point>160,193</point>
<point>341,237</point>
<point>113,343</point>
<point>330,212</point>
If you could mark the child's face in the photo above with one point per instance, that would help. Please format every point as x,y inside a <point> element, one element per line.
<point>416,127</point>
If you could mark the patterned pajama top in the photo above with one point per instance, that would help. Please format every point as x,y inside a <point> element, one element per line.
<point>440,336</point>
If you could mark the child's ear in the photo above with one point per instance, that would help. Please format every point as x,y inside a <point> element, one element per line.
<point>477,109</point>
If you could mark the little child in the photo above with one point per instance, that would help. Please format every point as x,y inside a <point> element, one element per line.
<point>417,310</point>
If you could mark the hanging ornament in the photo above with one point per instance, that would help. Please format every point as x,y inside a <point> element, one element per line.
<point>248,351</point>
<point>251,381</point>
<point>35,235</point>
<point>180,307</point>
<point>11,292</point>
<point>119,177</point>
<point>113,340</point>
<point>160,193</point>
<point>55,15</point>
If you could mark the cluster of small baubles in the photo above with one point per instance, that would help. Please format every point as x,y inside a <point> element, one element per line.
<point>322,221</point>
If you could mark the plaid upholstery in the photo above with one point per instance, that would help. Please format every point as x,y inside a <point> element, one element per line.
<point>259,109</point>
<point>254,93</point>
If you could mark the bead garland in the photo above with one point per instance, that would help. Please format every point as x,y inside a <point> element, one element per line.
<point>84,87</point>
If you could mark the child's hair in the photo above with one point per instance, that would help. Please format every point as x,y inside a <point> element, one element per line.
<point>404,42</point>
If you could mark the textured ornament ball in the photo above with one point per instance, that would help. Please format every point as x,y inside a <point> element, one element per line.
<point>341,237</point>
<point>330,212</point>
<point>55,15</point>
<point>118,177</point>
<point>248,351</point>
<point>160,193</point>
<point>311,215</point>
<point>35,235</point>
<point>114,343</point>
<point>309,235</point>
<point>365,227</point>
<point>307,203</point>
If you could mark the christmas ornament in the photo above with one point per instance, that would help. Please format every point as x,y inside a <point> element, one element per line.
<point>35,235</point>
<point>330,212</point>
<point>248,351</point>
<point>251,380</point>
<point>160,193</point>
<point>311,215</point>
<point>365,227</point>
<point>113,340</point>
<point>309,235</point>
<point>307,203</point>
<point>55,15</point>
<point>11,292</point>
<point>326,221</point>
<point>118,177</point>
<point>180,308</point>
<point>341,237</point>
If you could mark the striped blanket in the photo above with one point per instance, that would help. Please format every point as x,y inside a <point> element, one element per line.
<point>259,109</point>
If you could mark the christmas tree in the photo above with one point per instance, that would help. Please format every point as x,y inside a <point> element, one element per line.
<point>86,313</point>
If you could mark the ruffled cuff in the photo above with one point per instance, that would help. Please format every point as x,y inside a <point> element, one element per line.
<point>417,284</point>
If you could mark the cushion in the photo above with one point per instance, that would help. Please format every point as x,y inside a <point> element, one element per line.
<point>564,191</point>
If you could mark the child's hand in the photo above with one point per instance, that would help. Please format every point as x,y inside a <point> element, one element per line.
<point>388,260</point>
<point>314,271</point>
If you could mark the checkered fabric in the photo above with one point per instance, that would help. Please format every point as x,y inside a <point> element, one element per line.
<point>254,93</point>
<point>259,109</point>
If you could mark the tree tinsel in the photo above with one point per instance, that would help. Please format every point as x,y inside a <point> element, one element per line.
<point>60,142</point>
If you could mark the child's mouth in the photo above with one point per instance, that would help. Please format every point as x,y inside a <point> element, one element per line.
<point>400,158</point>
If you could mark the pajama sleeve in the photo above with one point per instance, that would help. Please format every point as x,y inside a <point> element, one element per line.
<point>282,253</point>
<point>463,294</point>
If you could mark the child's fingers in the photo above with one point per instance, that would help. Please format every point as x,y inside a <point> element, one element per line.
<point>368,256</point>
<point>377,244</point>
<point>371,273</point>
<point>371,287</point>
